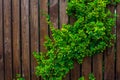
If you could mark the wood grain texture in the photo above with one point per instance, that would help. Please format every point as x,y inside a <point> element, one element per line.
<point>63,15</point>
<point>16,37</point>
<point>109,65</point>
<point>43,23</point>
<point>75,73</point>
<point>34,33</point>
<point>86,67</point>
<point>109,58</point>
<point>54,12</point>
<point>7,40</point>
<point>97,66</point>
<point>1,43</point>
<point>118,44</point>
<point>25,39</point>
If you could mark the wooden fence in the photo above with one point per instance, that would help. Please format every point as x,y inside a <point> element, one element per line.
<point>23,29</point>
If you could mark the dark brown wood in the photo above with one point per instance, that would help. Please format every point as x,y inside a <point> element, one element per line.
<point>1,43</point>
<point>109,65</point>
<point>75,73</point>
<point>118,44</point>
<point>25,39</point>
<point>63,15</point>
<point>16,37</point>
<point>97,66</point>
<point>43,23</point>
<point>86,67</point>
<point>54,12</point>
<point>34,35</point>
<point>7,40</point>
<point>109,59</point>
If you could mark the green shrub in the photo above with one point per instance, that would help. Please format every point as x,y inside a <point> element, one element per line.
<point>89,35</point>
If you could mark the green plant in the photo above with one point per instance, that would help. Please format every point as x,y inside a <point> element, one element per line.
<point>18,77</point>
<point>81,78</point>
<point>91,77</point>
<point>89,35</point>
<point>94,21</point>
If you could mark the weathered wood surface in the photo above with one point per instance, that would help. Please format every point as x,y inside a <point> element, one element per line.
<point>16,37</point>
<point>25,38</point>
<point>7,39</point>
<point>118,44</point>
<point>23,28</point>
<point>1,42</point>
<point>97,66</point>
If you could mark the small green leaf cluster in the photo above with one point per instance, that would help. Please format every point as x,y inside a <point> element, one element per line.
<point>90,34</point>
<point>18,77</point>
<point>91,77</point>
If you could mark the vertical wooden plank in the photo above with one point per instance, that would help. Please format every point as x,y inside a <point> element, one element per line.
<point>7,40</point>
<point>86,67</point>
<point>97,66</point>
<point>54,12</point>
<point>1,43</point>
<point>43,24</point>
<point>16,37</point>
<point>63,20</point>
<point>109,59</point>
<point>63,15</point>
<point>109,64</point>
<point>75,73</point>
<point>118,44</point>
<point>34,35</point>
<point>25,39</point>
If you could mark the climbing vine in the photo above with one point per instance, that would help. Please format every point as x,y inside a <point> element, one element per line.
<point>90,34</point>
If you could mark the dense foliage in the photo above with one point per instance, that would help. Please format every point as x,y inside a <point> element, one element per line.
<point>90,34</point>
